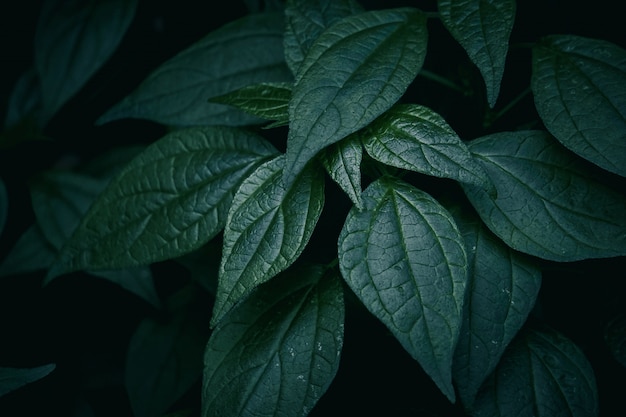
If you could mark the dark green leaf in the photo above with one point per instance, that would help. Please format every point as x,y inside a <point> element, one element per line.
<point>171,199</point>
<point>579,85</point>
<point>615,337</point>
<point>414,137</point>
<point>268,227</point>
<point>73,40</point>
<point>357,69</point>
<point>277,352</point>
<point>109,163</point>
<point>482,27</point>
<point>542,374</point>
<point>550,203</point>
<point>404,257</point>
<point>244,52</point>
<point>502,289</point>
<point>343,163</point>
<point>306,20</point>
<point>32,252</point>
<point>14,378</point>
<point>25,99</point>
<point>268,101</point>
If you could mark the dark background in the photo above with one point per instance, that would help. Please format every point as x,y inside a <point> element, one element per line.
<point>84,325</point>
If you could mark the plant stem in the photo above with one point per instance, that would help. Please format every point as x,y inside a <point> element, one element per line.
<point>441,80</point>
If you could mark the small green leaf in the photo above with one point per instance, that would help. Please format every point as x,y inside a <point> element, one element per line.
<point>414,137</point>
<point>579,85</point>
<point>615,337</point>
<point>171,199</point>
<point>268,101</point>
<point>306,20</point>
<point>267,229</point>
<point>483,28</point>
<point>14,378</point>
<point>357,69</point>
<point>73,40</point>
<point>542,374</point>
<point>404,257</point>
<point>342,161</point>
<point>277,352</point>
<point>550,203</point>
<point>244,52</point>
<point>502,289</point>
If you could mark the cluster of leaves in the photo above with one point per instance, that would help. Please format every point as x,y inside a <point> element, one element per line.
<point>452,272</point>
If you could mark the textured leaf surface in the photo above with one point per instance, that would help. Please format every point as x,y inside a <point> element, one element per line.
<point>342,161</point>
<point>550,203</point>
<point>169,200</point>
<point>73,40</point>
<point>502,289</point>
<point>268,101</point>
<point>14,378</point>
<point>542,374</point>
<point>306,20</point>
<point>579,85</point>
<point>278,351</point>
<point>244,52</point>
<point>354,71</point>
<point>268,227</point>
<point>482,27</point>
<point>415,138</point>
<point>404,257</point>
<point>615,337</point>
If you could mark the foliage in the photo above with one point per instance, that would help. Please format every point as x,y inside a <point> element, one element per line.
<point>437,175</point>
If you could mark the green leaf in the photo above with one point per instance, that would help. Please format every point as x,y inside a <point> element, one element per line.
<point>32,252</point>
<point>164,359</point>
<point>579,85</point>
<point>73,40</point>
<point>306,20</point>
<point>243,52</point>
<point>171,199</point>
<point>267,229</point>
<point>14,378</point>
<point>550,203</point>
<point>268,101</point>
<point>357,69</point>
<point>342,161</point>
<point>542,374</point>
<point>414,137</point>
<point>482,27</point>
<point>615,337</point>
<point>501,291</point>
<point>277,352</point>
<point>404,257</point>
<point>25,99</point>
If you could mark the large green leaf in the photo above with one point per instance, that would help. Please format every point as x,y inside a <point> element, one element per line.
<point>268,227</point>
<point>169,200</point>
<point>358,68</point>
<point>414,137</point>
<point>404,257</point>
<point>244,52</point>
<point>342,161</point>
<point>306,20</point>
<point>542,374</point>
<point>14,378</point>
<point>482,27</point>
<point>502,289</point>
<point>579,85</point>
<point>73,40</point>
<point>550,203</point>
<point>277,352</point>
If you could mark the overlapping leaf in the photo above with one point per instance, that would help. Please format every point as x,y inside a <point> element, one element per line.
<point>542,374</point>
<point>355,70</point>
<point>277,352</point>
<point>267,229</point>
<point>171,199</point>
<point>244,52</point>
<point>414,137</point>
<point>73,40</point>
<point>502,289</point>
<point>404,257</point>
<point>579,85</point>
<point>343,163</point>
<point>482,27</point>
<point>550,203</point>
